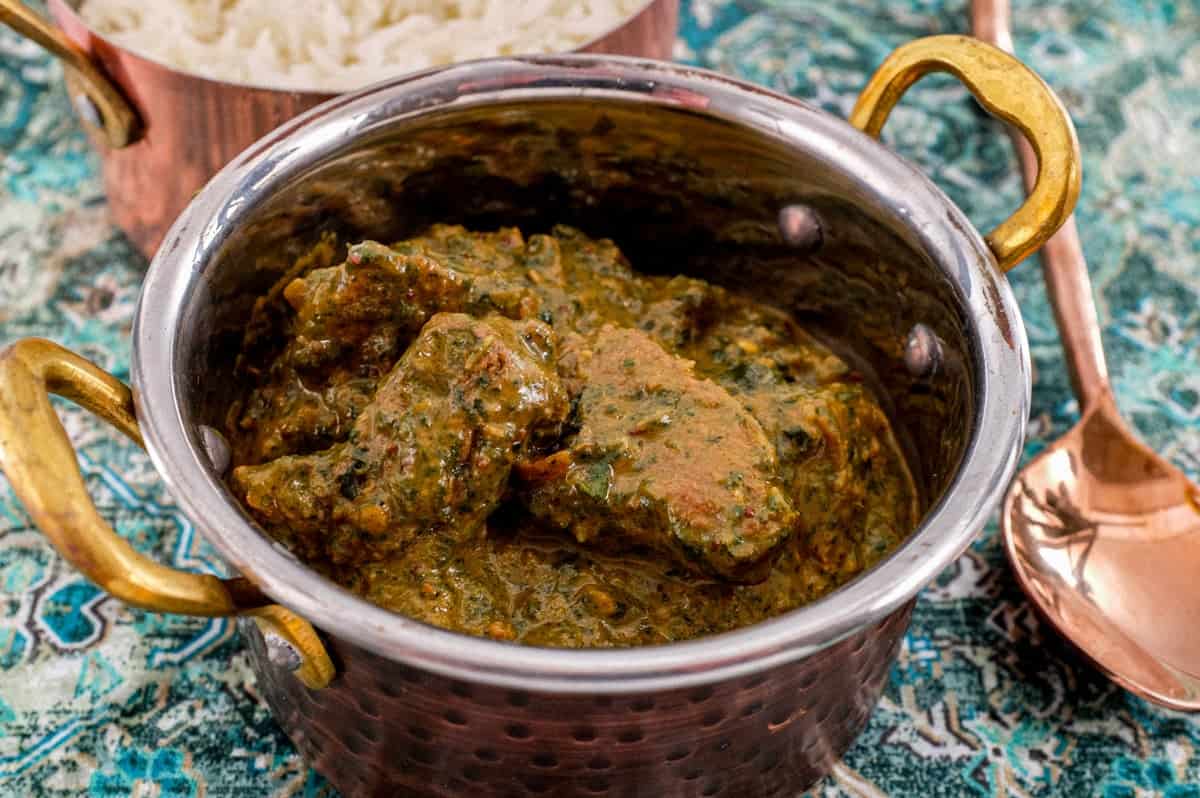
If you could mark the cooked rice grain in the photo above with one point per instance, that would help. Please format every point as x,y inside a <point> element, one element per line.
<point>340,45</point>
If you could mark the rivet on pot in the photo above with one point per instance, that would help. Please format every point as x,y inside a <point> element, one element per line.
<point>280,652</point>
<point>801,227</point>
<point>217,448</point>
<point>922,351</point>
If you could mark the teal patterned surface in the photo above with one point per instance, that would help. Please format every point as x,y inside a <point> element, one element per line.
<point>97,699</point>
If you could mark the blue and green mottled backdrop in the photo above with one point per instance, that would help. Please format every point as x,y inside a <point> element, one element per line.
<point>101,700</point>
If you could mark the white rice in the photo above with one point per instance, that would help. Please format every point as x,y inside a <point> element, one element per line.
<point>339,45</point>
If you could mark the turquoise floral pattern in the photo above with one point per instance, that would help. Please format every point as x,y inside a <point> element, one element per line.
<point>1153,778</point>
<point>102,700</point>
<point>133,769</point>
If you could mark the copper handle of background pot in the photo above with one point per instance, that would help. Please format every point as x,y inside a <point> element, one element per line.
<point>1009,90</point>
<point>1063,264</point>
<point>98,101</point>
<point>37,458</point>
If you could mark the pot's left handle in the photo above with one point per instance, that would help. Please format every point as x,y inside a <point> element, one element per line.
<point>37,458</point>
<point>98,101</point>
<point>1011,91</point>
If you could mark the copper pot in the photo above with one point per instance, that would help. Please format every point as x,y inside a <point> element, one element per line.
<point>162,133</point>
<point>689,172</point>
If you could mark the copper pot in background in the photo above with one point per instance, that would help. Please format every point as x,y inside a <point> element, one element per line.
<point>162,133</point>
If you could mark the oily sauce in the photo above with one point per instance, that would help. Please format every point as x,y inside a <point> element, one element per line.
<point>526,439</point>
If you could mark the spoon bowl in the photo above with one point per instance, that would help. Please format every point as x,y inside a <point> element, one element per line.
<point>1104,537</point>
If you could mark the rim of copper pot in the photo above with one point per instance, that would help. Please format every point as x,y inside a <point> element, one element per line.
<point>70,9</point>
<point>884,179</point>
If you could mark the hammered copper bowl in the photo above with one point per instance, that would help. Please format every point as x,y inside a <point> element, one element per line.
<point>162,133</point>
<point>689,172</point>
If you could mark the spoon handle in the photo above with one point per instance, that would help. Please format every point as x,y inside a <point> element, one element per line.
<point>1063,266</point>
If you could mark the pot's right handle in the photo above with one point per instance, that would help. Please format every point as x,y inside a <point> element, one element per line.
<point>1011,91</point>
<point>37,458</point>
<point>102,104</point>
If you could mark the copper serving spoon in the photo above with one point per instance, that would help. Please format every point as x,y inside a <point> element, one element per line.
<point>1102,533</point>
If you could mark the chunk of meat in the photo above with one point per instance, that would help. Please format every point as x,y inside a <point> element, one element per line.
<point>340,308</point>
<point>663,459</point>
<point>841,469</point>
<point>432,451</point>
<point>679,310</point>
<point>349,323</point>
<point>291,412</point>
<point>746,346</point>
<point>840,465</point>
<point>583,283</point>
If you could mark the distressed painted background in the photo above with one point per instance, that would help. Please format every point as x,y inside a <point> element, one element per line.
<point>100,700</point>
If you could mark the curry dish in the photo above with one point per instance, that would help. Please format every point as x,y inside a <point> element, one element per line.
<point>526,439</point>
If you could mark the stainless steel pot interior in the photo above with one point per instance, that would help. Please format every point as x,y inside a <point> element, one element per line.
<point>687,171</point>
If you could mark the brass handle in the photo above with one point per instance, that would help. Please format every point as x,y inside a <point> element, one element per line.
<point>1011,91</point>
<point>37,458</point>
<point>98,101</point>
